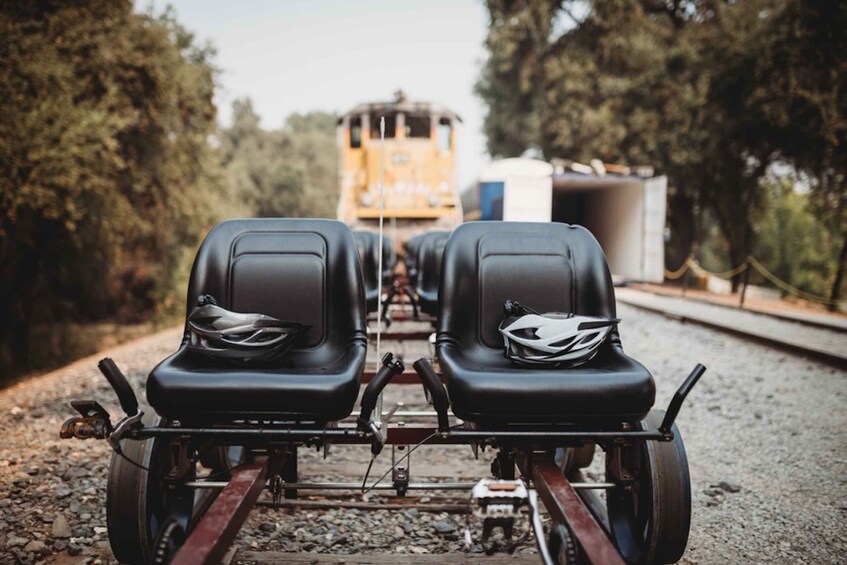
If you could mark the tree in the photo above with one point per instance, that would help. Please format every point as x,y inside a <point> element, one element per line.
<point>688,86</point>
<point>289,172</point>
<point>792,241</point>
<point>104,162</point>
<point>801,77</point>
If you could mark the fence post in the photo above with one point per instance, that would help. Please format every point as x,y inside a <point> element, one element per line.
<point>745,283</point>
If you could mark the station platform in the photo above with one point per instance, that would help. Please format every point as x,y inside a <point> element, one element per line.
<point>826,344</point>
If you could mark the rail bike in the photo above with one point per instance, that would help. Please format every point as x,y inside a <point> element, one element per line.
<point>185,474</point>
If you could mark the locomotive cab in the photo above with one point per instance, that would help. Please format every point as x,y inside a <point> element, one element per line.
<point>418,162</point>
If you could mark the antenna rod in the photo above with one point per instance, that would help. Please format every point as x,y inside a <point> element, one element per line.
<point>379,262</point>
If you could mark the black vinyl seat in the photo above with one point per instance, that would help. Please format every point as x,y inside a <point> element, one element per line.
<point>430,250</point>
<point>299,270</point>
<point>411,257</point>
<point>548,267</point>
<point>367,243</point>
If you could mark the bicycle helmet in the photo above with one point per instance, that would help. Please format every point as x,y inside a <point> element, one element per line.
<point>240,338</point>
<point>552,338</point>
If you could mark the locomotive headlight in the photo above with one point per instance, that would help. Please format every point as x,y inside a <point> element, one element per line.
<point>432,201</point>
<point>366,200</point>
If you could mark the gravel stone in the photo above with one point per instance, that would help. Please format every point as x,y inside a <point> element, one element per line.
<point>444,527</point>
<point>730,487</point>
<point>760,493</point>
<point>61,528</point>
<point>60,545</point>
<point>74,550</point>
<point>16,541</point>
<point>36,546</point>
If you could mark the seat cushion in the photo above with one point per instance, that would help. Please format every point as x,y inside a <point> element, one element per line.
<point>486,388</point>
<point>549,267</point>
<point>194,388</point>
<point>293,269</point>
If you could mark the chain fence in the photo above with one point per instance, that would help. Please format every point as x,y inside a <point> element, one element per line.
<point>691,264</point>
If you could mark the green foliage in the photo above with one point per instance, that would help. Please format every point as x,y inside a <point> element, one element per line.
<point>791,240</point>
<point>289,172</point>
<point>711,93</point>
<point>105,164</point>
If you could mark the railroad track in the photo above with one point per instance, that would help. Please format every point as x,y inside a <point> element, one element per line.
<point>824,344</point>
<point>242,557</point>
<point>749,393</point>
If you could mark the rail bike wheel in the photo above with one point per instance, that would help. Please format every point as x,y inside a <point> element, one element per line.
<point>570,459</point>
<point>222,459</point>
<point>138,500</point>
<point>561,546</point>
<point>650,522</point>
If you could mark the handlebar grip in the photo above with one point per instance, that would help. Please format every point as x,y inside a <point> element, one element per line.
<point>390,367</point>
<point>120,385</point>
<point>679,397</point>
<point>439,396</point>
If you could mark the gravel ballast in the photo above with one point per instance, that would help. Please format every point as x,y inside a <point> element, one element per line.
<point>764,431</point>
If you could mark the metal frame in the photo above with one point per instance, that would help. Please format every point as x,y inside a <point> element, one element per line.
<point>268,444</point>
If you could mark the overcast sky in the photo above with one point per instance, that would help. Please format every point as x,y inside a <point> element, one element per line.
<point>296,56</point>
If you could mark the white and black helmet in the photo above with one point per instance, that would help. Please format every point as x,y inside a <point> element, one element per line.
<point>254,339</point>
<point>552,338</point>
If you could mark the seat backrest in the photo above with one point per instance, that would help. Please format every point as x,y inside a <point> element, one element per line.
<point>292,269</point>
<point>389,257</point>
<point>366,242</point>
<point>549,267</point>
<point>411,257</point>
<point>430,251</point>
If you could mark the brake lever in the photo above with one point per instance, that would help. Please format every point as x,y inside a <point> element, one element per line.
<point>390,366</point>
<point>95,422</point>
<point>126,424</point>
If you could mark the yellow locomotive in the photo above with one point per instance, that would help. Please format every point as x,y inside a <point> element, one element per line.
<point>420,164</point>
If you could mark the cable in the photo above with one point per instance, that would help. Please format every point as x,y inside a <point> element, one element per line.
<point>538,528</point>
<point>405,456</point>
<point>367,473</point>
<point>165,476</point>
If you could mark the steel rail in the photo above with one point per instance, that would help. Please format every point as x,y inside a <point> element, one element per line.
<point>833,358</point>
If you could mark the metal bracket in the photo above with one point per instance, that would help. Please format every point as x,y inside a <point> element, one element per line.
<point>94,421</point>
<point>400,474</point>
<point>121,428</point>
<point>498,503</point>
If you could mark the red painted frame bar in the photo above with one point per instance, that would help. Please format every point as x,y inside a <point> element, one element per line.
<point>404,378</point>
<point>399,336</point>
<point>564,505</point>
<point>208,542</point>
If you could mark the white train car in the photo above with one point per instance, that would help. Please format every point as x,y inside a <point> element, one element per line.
<point>625,212</point>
